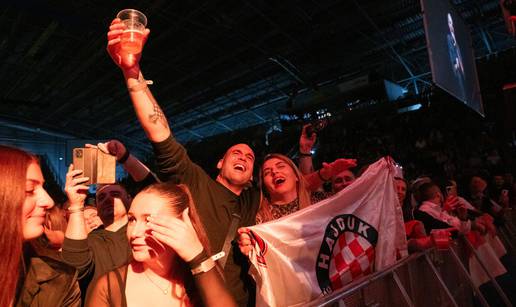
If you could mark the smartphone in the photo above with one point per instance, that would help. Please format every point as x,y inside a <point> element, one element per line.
<point>95,164</point>
<point>316,126</point>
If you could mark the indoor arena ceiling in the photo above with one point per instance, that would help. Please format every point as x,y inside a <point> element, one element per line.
<point>217,66</point>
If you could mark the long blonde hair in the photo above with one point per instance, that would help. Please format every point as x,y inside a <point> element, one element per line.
<point>303,194</point>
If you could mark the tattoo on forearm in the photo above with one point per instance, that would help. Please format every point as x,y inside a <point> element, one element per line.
<point>157,115</point>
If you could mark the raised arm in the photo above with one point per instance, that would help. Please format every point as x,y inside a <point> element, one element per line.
<point>136,169</point>
<point>306,143</point>
<point>172,160</point>
<point>76,251</point>
<point>316,179</point>
<point>76,192</point>
<point>148,111</point>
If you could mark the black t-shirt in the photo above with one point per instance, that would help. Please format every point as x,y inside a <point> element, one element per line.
<point>215,204</point>
<point>100,253</point>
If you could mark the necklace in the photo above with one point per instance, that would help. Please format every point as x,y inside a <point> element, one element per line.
<point>165,291</point>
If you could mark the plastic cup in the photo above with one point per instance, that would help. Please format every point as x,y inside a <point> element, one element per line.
<point>135,22</point>
<point>441,238</point>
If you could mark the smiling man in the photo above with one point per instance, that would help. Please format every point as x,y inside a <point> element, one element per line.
<point>217,200</point>
<point>236,167</point>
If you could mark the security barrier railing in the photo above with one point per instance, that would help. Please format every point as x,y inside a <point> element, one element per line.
<point>430,278</point>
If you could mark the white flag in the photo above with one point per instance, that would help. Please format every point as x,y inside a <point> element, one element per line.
<point>319,249</point>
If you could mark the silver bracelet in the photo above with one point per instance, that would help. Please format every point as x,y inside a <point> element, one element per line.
<point>75,210</point>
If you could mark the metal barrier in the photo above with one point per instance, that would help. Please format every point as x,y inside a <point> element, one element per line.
<point>429,278</point>
<point>507,233</point>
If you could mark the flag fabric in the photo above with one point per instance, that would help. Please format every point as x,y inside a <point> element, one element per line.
<point>317,250</point>
<point>489,249</point>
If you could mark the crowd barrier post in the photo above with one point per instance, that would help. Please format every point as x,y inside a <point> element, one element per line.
<point>402,289</point>
<point>491,277</point>
<point>504,233</point>
<point>441,281</point>
<point>479,294</point>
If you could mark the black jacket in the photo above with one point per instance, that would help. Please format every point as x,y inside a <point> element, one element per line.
<point>49,282</point>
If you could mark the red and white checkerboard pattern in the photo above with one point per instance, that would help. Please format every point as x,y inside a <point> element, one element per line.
<point>353,257</point>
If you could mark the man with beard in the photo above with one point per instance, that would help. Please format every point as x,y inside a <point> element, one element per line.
<point>218,200</point>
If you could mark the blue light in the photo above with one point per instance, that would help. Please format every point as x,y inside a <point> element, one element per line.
<point>410,108</point>
<point>415,107</point>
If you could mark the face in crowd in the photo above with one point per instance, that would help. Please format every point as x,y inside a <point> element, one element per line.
<point>435,195</point>
<point>112,201</point>
<point>91,218</point>
<point>477,185</point>
<point>24,204</point>
<point>451,188</point>
<point>236,167</point>
<point>144,247</point>
<point>401,190</point>
<point>36,203</point>
<point>498,181</point>
<point>342,180</point>
<point>55,227</point>
<point>279,178</point>
<point>164,200</point>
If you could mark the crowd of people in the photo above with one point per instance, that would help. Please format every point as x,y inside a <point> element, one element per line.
<point>182,240</point>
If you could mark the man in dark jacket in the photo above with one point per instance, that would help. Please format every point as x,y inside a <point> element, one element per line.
<point>217,200</point>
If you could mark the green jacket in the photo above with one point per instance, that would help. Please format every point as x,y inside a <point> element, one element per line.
<point>51,283</point>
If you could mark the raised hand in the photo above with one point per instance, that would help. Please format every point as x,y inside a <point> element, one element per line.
<point>450,203</point>
<point>479,226</point>
<point>112,147</point>
<point>419,230</point>
<point>329,170</point>
<point>74,187</point>
<point>487,222</point>
<point>124,60</point>
<point>306,142</point>
<point>179,234</point>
